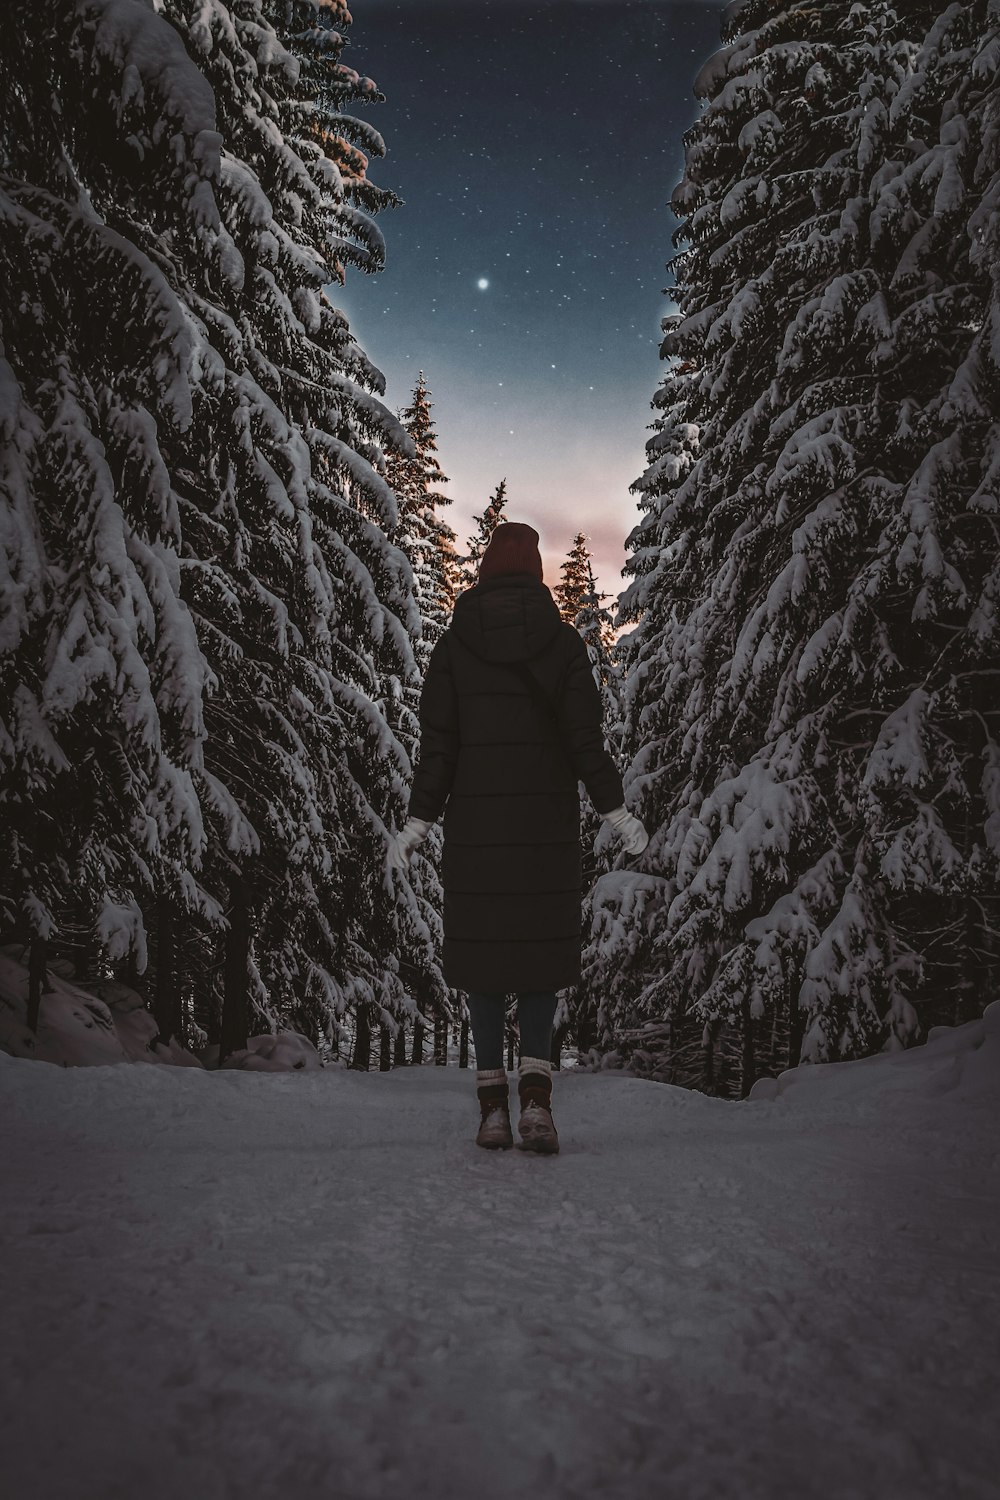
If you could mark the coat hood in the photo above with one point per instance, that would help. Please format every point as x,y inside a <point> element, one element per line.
<point>509,618</point>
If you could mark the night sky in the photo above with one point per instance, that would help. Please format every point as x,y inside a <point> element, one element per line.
<point>536,144</point>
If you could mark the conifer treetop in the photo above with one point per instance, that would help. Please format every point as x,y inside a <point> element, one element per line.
<point>422,534</point>
<point>576,579</point>
<point>486,524</point>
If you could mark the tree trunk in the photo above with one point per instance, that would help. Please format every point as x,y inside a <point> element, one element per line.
<point>440,1041</point>
<point>362,1040</point>
<point>85,952</point>
<point>777,1021</point>
<point>708,1057</point>
<point>968,980</point>
<point>747,1073</point>
<point>583,1027</point>
<point>417,1053</point>
<point>236,979</point>
<point>669,1044</point>
<point>988,958</point>
<point>38,981</point>
<point>555,1051</point>
<point>399,1048</point>
<point>167,1005</point>
<point>463,1041</point>
<point>794,1023</point>
<point>385,1051</point>
<point>510,1048</point>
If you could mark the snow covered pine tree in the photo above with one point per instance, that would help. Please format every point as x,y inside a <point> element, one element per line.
<point>583,606</point>
<point>429,543</point>
<point>200,606</point>
<point>486,524</point>
<point>425,536</point>
<point>574,579</point>
<point>813,697</point>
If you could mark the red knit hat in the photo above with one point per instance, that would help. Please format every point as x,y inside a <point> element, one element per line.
<point>513,548</point>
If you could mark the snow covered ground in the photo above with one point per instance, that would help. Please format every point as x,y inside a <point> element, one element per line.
<point>313,1286</point>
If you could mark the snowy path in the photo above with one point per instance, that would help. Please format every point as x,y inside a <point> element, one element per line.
<point>313,1285</point>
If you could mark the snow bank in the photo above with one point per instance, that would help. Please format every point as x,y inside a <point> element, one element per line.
<point>109,1022</point>
<point>284,1052</point>
<point>952,1058</point>
<point>79,1026</point>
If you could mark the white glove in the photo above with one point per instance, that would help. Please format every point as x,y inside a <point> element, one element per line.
<point>414,831</point>
<point>628,828</point>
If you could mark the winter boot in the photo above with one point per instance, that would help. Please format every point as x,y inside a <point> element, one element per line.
<point>494,1128</point>
<point>534,1089</point>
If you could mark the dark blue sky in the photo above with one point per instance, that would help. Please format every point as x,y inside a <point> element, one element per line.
<point>536,144</point>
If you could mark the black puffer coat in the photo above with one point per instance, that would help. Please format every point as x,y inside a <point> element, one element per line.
<point>512,825</point>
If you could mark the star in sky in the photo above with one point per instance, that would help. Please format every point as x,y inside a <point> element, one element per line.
<point>515,161</point>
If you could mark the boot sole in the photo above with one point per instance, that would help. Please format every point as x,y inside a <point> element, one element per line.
<point>543,1145</point>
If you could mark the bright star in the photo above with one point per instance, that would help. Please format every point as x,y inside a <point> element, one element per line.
<point>482,283</point>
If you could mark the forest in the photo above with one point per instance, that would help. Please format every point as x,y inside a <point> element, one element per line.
<point>249,1248</point>
<point>226,559</point>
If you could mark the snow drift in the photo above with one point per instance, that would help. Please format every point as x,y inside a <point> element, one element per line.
<point>108,1022</point>
<point>316,1287</point>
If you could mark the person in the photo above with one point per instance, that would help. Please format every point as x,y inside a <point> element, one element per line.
<point>510,722</point>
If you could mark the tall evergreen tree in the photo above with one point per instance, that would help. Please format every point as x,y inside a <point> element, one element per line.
<point>812,690</point>
<point>575,578</point>
<point>429,543</point>
<point>423,534</point>
<point>204,606</point>
<point>594,622</point>
<point>486,524</point>
<point>596,625</point>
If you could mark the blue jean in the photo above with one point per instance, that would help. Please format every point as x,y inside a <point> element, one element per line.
<point>535,1012</point>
